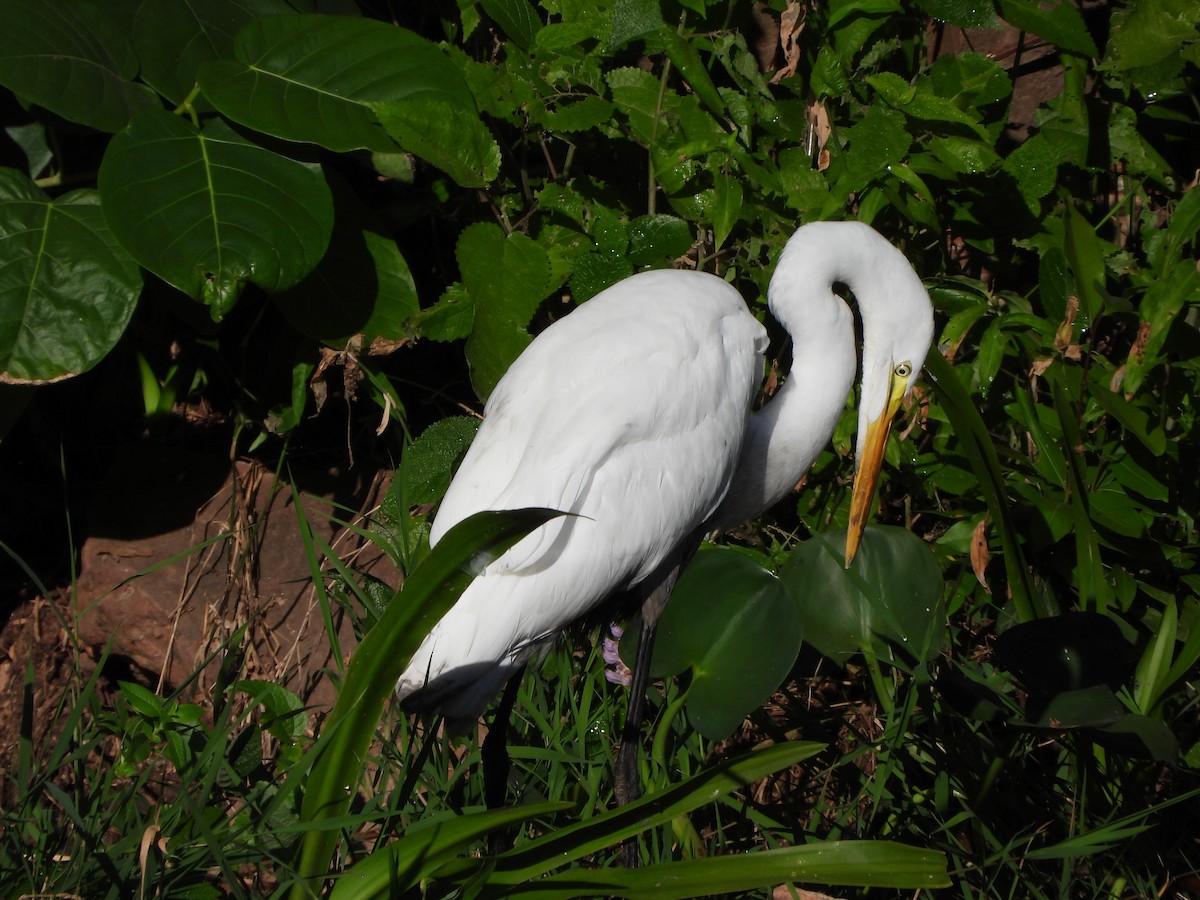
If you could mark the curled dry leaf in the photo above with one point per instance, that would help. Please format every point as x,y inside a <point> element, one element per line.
<point>979,553</point>
<point>791,23</point>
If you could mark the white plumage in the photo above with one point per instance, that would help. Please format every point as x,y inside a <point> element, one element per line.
<point>635,413</point>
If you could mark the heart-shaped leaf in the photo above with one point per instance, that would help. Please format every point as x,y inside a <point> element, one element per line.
<point>73,59</point>
<point>67,288</point>
<point>891,593</point>
<point>316,78</point>
<point>1065,653</point>
<point>208,211</point>
<point>735,626</point>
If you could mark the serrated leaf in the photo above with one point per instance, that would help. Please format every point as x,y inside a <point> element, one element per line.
<point>73,59</point>
<point>320,79</point>
<point>67,288</point>
<point>450,319</point>
<point>877,141</point>
<point>507,277</point>
<point>209,212</point>
<point>447,135</point>
<point>653,239</point>
<point>633,19</point>
<point>578,115</point>
<point>737,628</point>
<point>1150,31</point>
<point>921,103</point>
<point>429,460</point>
<point>173,40</point>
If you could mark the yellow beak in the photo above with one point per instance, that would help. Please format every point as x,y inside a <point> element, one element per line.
<point>868,467</point>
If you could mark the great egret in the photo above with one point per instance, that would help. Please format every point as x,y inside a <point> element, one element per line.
<point>634,413</point>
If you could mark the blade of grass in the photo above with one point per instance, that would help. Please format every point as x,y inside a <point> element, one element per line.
<point>976,445</point>
<point>607,829</point>
<point>856,863</point>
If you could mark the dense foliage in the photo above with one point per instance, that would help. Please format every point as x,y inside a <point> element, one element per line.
<point>252,206</point>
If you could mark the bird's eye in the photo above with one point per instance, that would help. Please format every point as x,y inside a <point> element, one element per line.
<point>903,370</point>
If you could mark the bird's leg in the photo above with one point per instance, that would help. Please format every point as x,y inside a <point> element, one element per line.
<point>496,762</point>
<point>627,781</point>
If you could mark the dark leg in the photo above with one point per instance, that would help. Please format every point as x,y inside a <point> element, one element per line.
<point>627,780</point>
<point>496,762</point>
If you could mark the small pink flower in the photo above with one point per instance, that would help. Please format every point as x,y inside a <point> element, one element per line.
<point>615,669</point>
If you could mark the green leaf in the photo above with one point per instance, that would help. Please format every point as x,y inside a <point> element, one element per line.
<point>1060,24</point>
<point>892,592</point>
<point>1150,677</point>
<point>726,209</point>
<point>173,40</point>
<point>430,460</point>
<point>658,238</point>
<point>67,288</point>
<point>1086,258</point>
<point>1084,708</point>
<point>737,628</point>
<point>408,861</point>
<point>1070,652</point>
<point>361,286</point>
<point>208,211</point>
<point>73,59</point>
<point>447,135</point>
<point>578,115</point>
<point>1148,32</point>
<point>920,103</point>
<point>632,20</point>
<point>856,863</point>
<point>517,18</point>
<point>321,78</point>
<point>877,141</point>
<point>285,716</point>
<point>431,589</point>
<point>963,13</point>
<point>508,277</point>
<point>1141,736</point>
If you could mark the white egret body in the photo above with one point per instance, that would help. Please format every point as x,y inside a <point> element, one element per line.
<point>635,413</point>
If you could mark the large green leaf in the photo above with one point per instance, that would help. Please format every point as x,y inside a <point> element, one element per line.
<point>317,78</point>
<point>173,40</point>
<point>67,288</point>
<point>508,277</point>
<point>208,211</point>
<point>73,59</point>
<point>892,591</point>
<point>737,628</point>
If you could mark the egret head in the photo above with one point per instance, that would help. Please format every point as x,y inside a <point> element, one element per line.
<point>897,318</point>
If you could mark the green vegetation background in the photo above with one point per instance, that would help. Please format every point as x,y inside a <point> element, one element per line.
<point>251,206</point>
